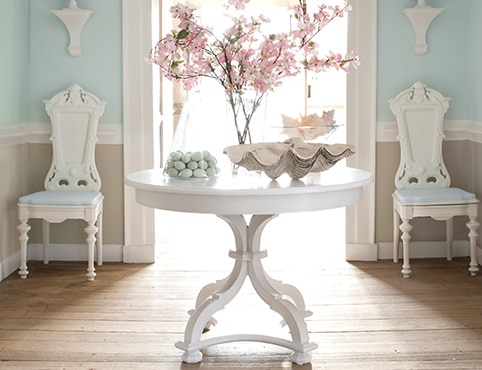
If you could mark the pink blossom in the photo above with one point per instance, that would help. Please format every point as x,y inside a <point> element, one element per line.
<point>246,62</point>
<point>238,4</point>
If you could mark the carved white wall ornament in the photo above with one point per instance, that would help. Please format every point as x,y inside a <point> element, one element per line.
<point>420,18</point>
<point>75,20</point>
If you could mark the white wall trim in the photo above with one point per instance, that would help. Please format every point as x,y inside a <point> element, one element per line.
<point>361,252</point>
<point>73,252</point>
<point>361,126</point>
<point>454,130</point>
<point>138,253</point>
<point>428,249</point>
<point>141,121</point>
<point>39,133</point>
<point>59,252</point>
<point>9,265</point>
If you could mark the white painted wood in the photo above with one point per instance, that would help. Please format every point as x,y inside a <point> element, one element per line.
<point>253,193</point>
<point>40,133</point>
<point>422,181</point>
<point>420,111</point>
<point>72,185</point>
<point>231,198</point>
<point>361,127</point>
<point>455,130</point>
<point>141,122</point>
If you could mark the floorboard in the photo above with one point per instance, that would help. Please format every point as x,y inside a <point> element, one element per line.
<point>365,315</point>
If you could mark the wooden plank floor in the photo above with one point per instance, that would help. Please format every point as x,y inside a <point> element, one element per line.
<point>365,315</point>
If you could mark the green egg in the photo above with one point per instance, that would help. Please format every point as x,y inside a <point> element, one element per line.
<point>212,162</point>
<point>176,156</point>
<point>211,171</point>
<point>206,155</point>
<point>192,165</point>
<point>199,173</point>
<point>203,164</point>
<point>186,158</point>
<point>185,173</point>
<point>172,172</point>
<point>196,156</point>
<point>179,165</point>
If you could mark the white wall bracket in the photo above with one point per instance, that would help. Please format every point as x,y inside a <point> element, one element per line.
<point>420,17</point>
<point>75,20</point>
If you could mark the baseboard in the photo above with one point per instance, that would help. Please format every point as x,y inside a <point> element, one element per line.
<point>428,249</point>
<point>139,253</point>
<point>58,252</point>
<point>361,252</point>
<point>9,265</point>
<point>73,252</point>
<point>421,249</point>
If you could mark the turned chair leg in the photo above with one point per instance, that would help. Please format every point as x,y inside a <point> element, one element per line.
<point>396,235</point>
<point>90,230</point>
<point>99,241</point>
<point>473,225</point>
<point>450,236</point>
<point>23,228</point>
<point>405,227</point>
<point>46,240</point>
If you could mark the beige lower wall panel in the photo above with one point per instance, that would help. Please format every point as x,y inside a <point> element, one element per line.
<point>109,159</point>
<point>457,157</point>
<point>13,183</point>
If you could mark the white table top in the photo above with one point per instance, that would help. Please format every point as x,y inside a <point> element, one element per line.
<point>251,193</point>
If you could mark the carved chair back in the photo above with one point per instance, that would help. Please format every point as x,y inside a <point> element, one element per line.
<point>74,115</point>
<point>420,113</point>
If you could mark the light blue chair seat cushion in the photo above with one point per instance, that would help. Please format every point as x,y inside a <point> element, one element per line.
<point>433,196</point>
<point>62,198</point>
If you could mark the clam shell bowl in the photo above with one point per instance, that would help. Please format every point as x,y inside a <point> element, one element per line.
<point>293,156</point>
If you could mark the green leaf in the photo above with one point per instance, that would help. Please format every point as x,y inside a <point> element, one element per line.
<point>182,34</point>
<point>176,63</point>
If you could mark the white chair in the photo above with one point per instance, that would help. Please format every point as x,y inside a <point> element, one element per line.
<point>422,181</point>
<point>72,185</point>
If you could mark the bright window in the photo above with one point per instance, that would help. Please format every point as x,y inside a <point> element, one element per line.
<point>304,94</point>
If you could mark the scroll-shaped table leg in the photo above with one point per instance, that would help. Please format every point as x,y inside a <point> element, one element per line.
<point>248,263</point>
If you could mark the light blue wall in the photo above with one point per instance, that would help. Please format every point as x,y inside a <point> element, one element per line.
<point>13,61</point>
<point>476,58</point>
<point>444,67</point>
<point>99,67</point>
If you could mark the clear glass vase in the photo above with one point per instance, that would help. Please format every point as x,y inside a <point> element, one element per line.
<point>199,139</point>
<point>245,123</point>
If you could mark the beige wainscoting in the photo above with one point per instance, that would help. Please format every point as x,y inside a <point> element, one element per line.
<point>25,159</point>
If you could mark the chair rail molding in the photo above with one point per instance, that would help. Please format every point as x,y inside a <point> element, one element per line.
<point>39,133</point>
<point>454,130</point>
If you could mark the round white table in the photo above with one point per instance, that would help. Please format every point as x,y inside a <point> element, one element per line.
<point>232,197</point>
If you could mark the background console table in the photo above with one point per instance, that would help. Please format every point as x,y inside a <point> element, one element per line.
<point>234,198</point>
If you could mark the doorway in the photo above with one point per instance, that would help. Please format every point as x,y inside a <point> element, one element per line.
<point>327,92</point>
<point>141,114</point>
